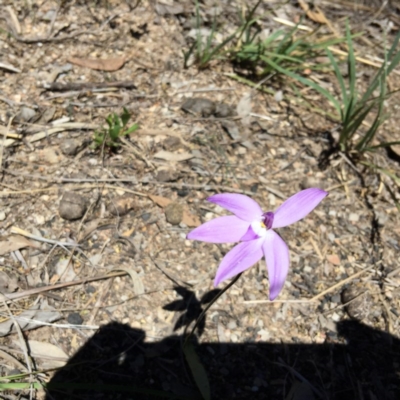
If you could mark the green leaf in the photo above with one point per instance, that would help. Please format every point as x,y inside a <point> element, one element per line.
<point>131,129</point>
<point>339,77</point>
<point>198,370</point>
<point>307,82</point>
<point>125,117</point>
<point>351,60</point>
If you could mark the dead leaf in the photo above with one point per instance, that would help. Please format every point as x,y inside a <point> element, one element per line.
<point>333,259</point>
<point>37,315</point>
<point>14,243</point>
<point>169,156</point>
<point>51,356</point>
<point>108,64</point>
<point>7,284</point>
<point>315,15</point>
<point>138,286</point>
<point>160,201</point>
<point>190,219</point>
<point>165,9</point>
<point>243,108</point>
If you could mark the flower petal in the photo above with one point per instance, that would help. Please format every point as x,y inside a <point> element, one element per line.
<point>297,207</point>
<point>228,229</point>
<point>242,206</point>
<point>276,255</point>
<point>240,258</point>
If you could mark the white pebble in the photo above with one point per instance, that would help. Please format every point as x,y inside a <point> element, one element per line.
<point>353,217</point>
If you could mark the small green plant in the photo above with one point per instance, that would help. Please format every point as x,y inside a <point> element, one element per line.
<point>202,49</point>
<point>284,48</point>
<point>117,128</point>
<point>352,109</point>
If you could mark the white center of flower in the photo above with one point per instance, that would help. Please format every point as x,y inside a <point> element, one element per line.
<point>259,228</point>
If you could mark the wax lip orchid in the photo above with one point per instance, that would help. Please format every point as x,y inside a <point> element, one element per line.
<point>253,228</point>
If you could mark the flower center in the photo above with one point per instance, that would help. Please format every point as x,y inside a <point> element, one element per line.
<point>268,219</point>
<point>260,227</point>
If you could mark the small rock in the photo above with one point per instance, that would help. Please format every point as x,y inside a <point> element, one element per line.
<point>174,213</point>
<point>26,114</point>
<point>166,175</point>
<point>232,129</point>
<point>199,106</point>
<point>223,110</point>
<point>72,206</point>
<point>75,319</point>
<point>122,205</point>
<point>70,147</point>
<point>183,192</point>
<point>2,215</point>
<point>232,324</point>
<point>353,217</point>
<point>146,216</point>
<point>359,301</point>
<point>172,143</point>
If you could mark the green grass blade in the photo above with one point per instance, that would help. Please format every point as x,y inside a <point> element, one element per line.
<point>305,81</point>
<point>198,370</point>
<point>131,129</point>
<point>352,67</point>
<point>339,77</point>
<point>384,69</point>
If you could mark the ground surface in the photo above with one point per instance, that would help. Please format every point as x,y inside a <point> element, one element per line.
<point>135,206</point>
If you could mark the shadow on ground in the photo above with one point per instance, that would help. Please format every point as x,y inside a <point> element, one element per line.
<point>362,364</point>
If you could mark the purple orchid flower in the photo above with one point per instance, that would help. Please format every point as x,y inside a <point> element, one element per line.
<point>253,229</point>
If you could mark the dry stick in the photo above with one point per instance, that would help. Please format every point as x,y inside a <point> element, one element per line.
<point>24,347</point>
<point>331,48</point>
<point>61,87</point>
<point>341,283</point>
<point>51,189</point>
<point>30,292</point>
<point>12,359</point>
<point>315,298</point>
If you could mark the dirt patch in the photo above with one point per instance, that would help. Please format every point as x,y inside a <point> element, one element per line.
<point>104,230</point>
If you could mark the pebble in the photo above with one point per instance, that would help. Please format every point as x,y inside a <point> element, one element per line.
<point>2,215</point>
<point>26,114</point>
<point>232,324</point>
<point>72,206</point>
<point>353,217</point>
<point>75,319</point>
<point>358,299</point>
<point>174,213</point>
<point>70,147</point>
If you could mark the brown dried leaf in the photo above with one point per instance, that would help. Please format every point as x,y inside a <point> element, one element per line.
<point>14,243</point>
<point>160,201</point>
<point>333,259</point>
<point>190,219</point>
<point>315,15</point>
<point>109,64</point>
